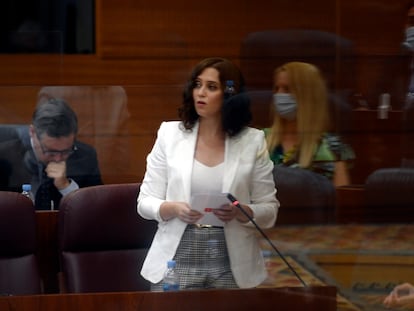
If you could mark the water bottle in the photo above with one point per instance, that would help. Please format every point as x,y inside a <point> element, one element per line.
<point>384,106</point>
<point>213,248</point>
<point>27,191</point>
<point>267,255</point>
<point>229,89</point>
<point>171,280</point>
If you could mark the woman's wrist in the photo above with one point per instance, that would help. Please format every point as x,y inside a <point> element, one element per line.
<point>167,211</point>
<point>241,217</point>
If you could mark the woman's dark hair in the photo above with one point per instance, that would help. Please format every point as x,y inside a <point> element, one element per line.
<point>236,112</point>
<point>55,118</point>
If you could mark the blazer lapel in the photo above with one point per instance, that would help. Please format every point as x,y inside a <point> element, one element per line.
<point>186,154</point>
<point>231,162</point>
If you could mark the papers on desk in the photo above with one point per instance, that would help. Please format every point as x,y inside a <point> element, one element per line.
<point>205,203</point>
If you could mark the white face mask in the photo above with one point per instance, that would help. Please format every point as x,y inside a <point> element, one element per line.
<point>285,105</point>
<point>409,39</point>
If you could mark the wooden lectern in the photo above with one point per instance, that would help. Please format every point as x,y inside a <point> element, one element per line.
<point>320,298</point>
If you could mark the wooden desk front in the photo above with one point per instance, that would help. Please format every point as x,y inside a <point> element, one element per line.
<point>47,249</point>
<point>365,261</point>
<point>288,298</point>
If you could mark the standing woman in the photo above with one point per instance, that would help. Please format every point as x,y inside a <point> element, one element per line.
<point>211,150</point>
<point>299,136</point>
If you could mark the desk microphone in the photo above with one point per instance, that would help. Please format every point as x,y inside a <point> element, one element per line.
<point>237,204</point>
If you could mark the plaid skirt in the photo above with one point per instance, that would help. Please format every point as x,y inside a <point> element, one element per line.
<point>202,260</point>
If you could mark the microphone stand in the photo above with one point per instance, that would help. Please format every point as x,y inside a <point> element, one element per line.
<point>410,93</point>
<point>237,204</point>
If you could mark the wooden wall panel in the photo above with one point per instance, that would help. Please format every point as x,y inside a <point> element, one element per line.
<point>168,29</point>
<point>383,74</point>
<point>39,70</point>
<point>376,26</point>
<point>150,47</point>
<point>122,152</point>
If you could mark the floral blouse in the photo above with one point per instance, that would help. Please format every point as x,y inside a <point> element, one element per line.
<point>330,150</point>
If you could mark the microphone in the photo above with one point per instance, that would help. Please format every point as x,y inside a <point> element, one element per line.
<point>237,204</point>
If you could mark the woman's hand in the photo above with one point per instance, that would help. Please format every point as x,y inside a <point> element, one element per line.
<point>229,212</point>
<point>180,210</point>
<point>226,212</point>
<point>186,214</point>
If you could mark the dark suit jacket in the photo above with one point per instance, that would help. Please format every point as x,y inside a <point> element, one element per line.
<point>82,166</point>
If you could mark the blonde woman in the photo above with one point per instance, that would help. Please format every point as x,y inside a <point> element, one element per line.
<point>299,136</point>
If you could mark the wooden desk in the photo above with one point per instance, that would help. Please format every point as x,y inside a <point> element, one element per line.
<point>288,298</point>
<point>366,271</point>
<point>47,249</point>
<point>365,261</point>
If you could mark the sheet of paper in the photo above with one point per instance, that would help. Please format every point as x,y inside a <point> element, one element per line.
<point>205,203</point>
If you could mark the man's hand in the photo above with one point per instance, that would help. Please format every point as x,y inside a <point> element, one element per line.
<point>57,171</point>
<point>401,296</point>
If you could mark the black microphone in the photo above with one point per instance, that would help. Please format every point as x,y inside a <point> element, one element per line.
<point>237,204</point>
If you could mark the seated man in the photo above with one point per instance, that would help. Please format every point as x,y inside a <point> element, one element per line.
<point>48,157</point>
<point>103,118</point>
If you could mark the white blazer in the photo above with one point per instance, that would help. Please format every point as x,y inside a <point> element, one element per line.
<point>247,175</point>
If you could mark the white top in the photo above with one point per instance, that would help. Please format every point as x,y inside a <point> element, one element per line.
<point>207,179</point>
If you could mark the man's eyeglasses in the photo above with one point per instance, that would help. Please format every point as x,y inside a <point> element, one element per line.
<point>48,152</point>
